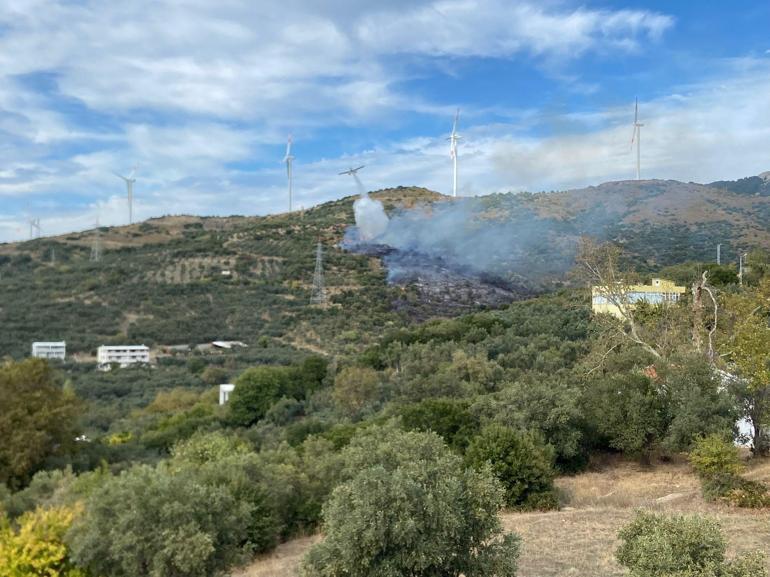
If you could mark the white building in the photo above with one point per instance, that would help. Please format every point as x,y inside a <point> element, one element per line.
<point>122,355</point>
<point>224,392</point>
<point>52,350</point>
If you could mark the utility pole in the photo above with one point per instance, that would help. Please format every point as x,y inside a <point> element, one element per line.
<point>741,260</point>
<point>318,296</point>
<point>96,245</point>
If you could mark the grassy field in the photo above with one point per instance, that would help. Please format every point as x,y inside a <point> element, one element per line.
<point>581,538</point>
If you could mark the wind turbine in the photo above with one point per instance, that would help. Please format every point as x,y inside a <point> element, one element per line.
<point>453,138</point>
<point>637,136</point>
<point>288,159</point>
<point>34,228</point>
<point>130,180</point>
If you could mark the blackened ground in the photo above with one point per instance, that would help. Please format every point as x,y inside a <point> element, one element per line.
<point>439,288</point>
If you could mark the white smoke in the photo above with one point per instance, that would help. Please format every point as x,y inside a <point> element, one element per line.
<point>371,219</point>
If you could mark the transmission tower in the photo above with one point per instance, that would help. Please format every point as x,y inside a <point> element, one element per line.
<point>96,245</point>
<point>318,296</point>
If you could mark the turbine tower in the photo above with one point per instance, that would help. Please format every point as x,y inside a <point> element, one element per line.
<point>453,138</point>
<point>130,180</point>
<point>34,228</point>
<point>637,136</point>
<point>318,296</point>
<point>288,159</point>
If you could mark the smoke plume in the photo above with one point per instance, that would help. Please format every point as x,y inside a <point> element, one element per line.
<point>371,220</point>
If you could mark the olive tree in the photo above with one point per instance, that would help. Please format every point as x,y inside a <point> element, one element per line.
<point>409,507</point>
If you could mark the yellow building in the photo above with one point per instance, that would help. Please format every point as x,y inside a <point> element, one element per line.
<point>659,292</point>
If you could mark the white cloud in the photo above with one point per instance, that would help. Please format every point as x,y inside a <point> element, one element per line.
<point>499,28</point>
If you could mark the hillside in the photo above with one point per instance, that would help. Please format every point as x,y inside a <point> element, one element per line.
<point>184,280</point>
<point>597,505</point>
<point>189,280</point>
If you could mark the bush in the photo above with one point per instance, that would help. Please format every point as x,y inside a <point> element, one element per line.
<point>411,509</point>
<point>718,464</point>
<point>356,389</point>
<point>679,546</point>
<point>450,418</point>
<point>37,546</point>
<point>715,456</point>
<point>524,466</point>
<point>255,392</point>
<point>152,521</point>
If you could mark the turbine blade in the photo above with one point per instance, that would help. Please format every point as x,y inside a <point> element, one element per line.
<point>636,110</point>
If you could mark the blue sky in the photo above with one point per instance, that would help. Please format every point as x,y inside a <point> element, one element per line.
<point>201,95</point>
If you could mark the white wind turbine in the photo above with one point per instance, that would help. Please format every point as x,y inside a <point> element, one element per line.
<point>288,159</point>
<point>130,180</point>
<point>637,136</point>
<point>453,138</point>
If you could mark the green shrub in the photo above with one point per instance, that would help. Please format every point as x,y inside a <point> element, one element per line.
<point>718,464</point>
<point>714,456</point>
<point>150,521</point>
<point>450,418</point>
<point>524,466</point>
<point>748,494</point>
<point>680,546</point>
<point>255,392</point>
<point>410,508</point>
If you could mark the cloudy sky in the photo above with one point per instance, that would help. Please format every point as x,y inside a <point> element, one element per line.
<point>201,96</point>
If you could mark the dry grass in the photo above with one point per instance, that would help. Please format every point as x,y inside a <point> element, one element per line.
<point>283,562</point>
<point>580,540</point>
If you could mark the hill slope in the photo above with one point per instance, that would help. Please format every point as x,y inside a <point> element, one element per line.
<point>188,280</point>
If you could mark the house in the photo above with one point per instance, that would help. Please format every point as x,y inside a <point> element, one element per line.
<point>49,350</point>
<point>658,292</point>
<point>122,355</point>
<point>227,344</point>
<point>224,392</point>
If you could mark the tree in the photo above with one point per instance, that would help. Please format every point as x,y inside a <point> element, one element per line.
<point>213,375</point>
<point>356,389</point>
<point>152,521</point>
<point>696,403</point>
<point>750,346</point>
<point>679,546</point>
<point>600,265</point>
<point>409,508</point>
<point>627,412</point>
<point>548,404</point>
<point>523,466</point>
<point>255,391</point>
<point>37,420</point>
<point>36,546</point>
<point>308,377</point>
<point>450,418</point>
